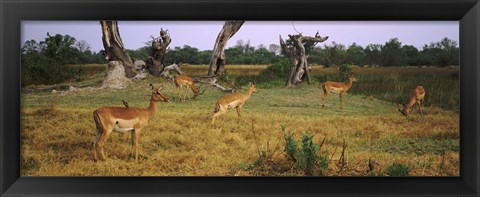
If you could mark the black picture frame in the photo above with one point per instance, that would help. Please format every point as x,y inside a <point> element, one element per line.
<point>13,12</point>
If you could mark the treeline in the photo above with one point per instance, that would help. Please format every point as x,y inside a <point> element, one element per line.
<point>442,53</point>
<point>47,61</point>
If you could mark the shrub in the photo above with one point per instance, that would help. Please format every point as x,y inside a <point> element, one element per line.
<point>227,80</point>
<point>291,146</point>
<point>307,156</point>
<point>345,68</point>
<point>44,70</point>
<point>279,69</point>
<point>398,169</point>
<point>323,163</point>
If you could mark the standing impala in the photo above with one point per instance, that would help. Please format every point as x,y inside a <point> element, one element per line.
<point>123,119</point>
<point>228,101</point>
<point>184,80</point>
<point>337,87</point>
<point>416,97</point>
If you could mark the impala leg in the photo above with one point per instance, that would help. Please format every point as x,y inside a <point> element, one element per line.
<point>178,91</point>
<point>324,98</point>
<point>218,113</point>
<point>95,147</point>
<point>341,101</point>
<point>100,143</point>
<point>325,95</point>
<point>239,109</point>
<point>186,93</point>
<point>420,105</point>
<point>135,142</point>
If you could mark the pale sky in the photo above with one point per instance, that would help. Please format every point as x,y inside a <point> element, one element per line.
<point>202,34</point>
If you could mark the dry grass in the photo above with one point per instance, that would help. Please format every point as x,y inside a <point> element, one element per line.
<point>57,139</point>
<point>244,70</point>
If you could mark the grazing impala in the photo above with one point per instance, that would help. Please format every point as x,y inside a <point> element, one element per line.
<point>228,101</point>
<point>184,80</point>
<point>123,119</point>
<point>337,87</point>
<point>416,97</point>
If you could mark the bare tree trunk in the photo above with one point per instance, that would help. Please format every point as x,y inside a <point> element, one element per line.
<point>297,56</point>
<point>156,60</point>
<point>218,57</point>
<point>114,49</point>
<point>291,54</point>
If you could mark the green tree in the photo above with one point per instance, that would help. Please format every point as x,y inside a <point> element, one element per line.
<point>140,53</point>
<point>334,55</point>
<point>204,56</point>
<point>47,62</point>
<point>392,54</point>
<point>355,55</point>
<point>411,55</point>
<point>373,54</point>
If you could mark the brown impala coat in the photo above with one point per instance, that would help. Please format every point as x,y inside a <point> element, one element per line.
<point>228,101</point>
<point>122,119</point>
<point>416,97</point>
<point>184,80</point>
<point>337,87</point>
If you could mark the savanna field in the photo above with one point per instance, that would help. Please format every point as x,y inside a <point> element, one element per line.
<point>368,138</point>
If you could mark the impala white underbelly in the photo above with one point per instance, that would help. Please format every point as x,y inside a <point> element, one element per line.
<point>123,126</point>
<point>234,103</point>
<point>336,90</point>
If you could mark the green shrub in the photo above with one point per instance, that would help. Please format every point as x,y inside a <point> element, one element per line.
<point>291,146</point>
<point>323,163</point>
<point>307,156</point>
<point>227,80</point>
<point>279,69</point>
<point>345,68</point>
<point>398,169</point>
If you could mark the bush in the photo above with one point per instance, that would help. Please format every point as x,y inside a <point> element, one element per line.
<point>323,163</point>
<point>279,69</point>
<point>291,146</point>
<point>345,68</point>
<point>398,169</point>
<point>307,156</point>
<point>227,80</point>
<point>47,72</point>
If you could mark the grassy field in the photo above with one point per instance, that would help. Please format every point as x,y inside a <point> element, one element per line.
<point>58,131</point>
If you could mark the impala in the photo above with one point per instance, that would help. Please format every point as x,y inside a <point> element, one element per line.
<point>232,100</point>
<point>416,97</point>
<point>123,119</point>
<point>337,87</point>
<point>184,80</point>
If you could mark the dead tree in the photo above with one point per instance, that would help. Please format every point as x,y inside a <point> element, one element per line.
<point>156,61</point>
<point>218,57</point>
<point>114,49</point>
<point>297,56</point>
<point>166,70</point>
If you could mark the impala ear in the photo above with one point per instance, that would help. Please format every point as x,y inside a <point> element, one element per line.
<point>151,86</point>
<point>160,88</point>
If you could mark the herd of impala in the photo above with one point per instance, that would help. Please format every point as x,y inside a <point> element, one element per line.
<point>133,119</point>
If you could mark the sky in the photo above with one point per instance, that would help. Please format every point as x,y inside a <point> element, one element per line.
<point>202,34</point>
